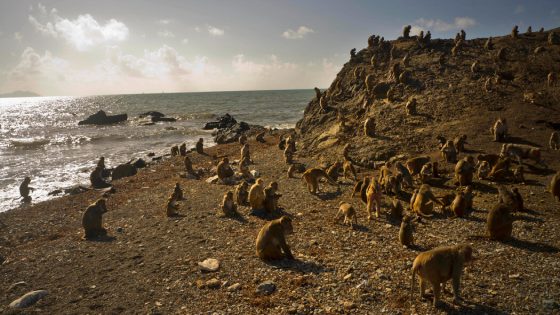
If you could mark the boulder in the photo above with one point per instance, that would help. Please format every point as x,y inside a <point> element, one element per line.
<point>101,118</point>
<point>232,133</point>
<point>28,299</point>
<point>151,113</point>
<point>223,122</point>
<point>124,170</point>
<point>138,163</point>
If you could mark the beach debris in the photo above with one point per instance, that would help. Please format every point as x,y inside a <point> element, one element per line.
<point>28,299</point>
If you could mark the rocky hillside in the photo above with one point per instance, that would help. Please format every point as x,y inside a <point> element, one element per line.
<point>451,95</point>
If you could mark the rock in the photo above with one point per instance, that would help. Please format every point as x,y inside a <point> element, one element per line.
<point>223,122</point>
<point>164,119</point>
<point>266,288</point>
<point>138,163</point>
<point>151,154</point>
<point>101,118</point>
<point>231,134</point>
<point>212,180</point>
<point>151,113</point>
<point>200,284</point>
<point>75,190</point>
<point>28,299</point>
<point>55,192</point>
<point>120,230</point>
<point>213,283</point>
<point>17,285</point>
<point>209,265</point>
<point>124,170</point>
<point>234,287</point>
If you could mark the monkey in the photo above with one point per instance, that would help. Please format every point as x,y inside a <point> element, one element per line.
<point>373,196</point>
<point>395,72</point>
<point>435,171</point>
<point>291,143</point>
<point>529,30</point>
<point>177,192</point>
<point>469,196</point>
<point>346,152</point>
<point>245,151</point>
<point>488,85</point>
<point>288,155</point>
<point>271,197</point>
<point>555,186</point>
<point>554,141</point>
<point>422,203</point>
<point>539,50</point>
<point>256,195</point>
<point>392,184</point>
<point>441,141</point>
<point>459,143</point>
<point>260,137</point>
<point>369,127</point>
<point>454,50</point>
<point>174,150</point>
<point>506,197</point>
<point>323,104</point>
<point>488,45</point>
<point>334,170</point>
<point>518,200</point>
<point>171,206</point>
<point>92,220</point>
<point>229,208</point>
<point>370,82</point>
<point>441,59</point>
<point>551,79</point>
<point>541,30</point>
<point>97,180</point>
<point>312,176</point>
<point>499,223</point>
<point>492,159</point>
<point>224,170</point>
<point>518,174</point>
<point>446,200</point>
<point>271,242</point>
<point>243,139</point>
<point>406,60</point>
<point>474,67</point>
<point>358,187</point>
<point>244,163</point>
<point>24,189</point>
<point>199,146</point>
<point>459,205</point>
<point>464,170</point>
<point>520,152</point>
<point>426,173</point>
<point>291,171</point>
<point>405,174</point>
<point>348,169</point>
<point>189,167</point>
<point>406,31</point>
<point>448,152</point>
<point>397,210</point>
<point>463,35</point>
<point>483,170</point>
<point>515,32</point>
<point>183,149</point>
<point>241,193</point>
<point>411,107</point>
<point>104,171</point>
<point>384,171</point>
<point>414,165</point>
<point>440,265</point>
<point>347,212</point>
<point>406,237</point>
<point>501,55</point>
<point>317,93</point>
<point>500,171</point>
<point>499,130</point>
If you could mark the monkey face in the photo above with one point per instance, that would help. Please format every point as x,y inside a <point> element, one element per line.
<point>102,205</point>
<point>287,225</point>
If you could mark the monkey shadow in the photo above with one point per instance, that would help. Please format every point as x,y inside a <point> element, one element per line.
<point>539,170</point>
<point>480,186</point>
<point>531,182</point>
<point>297,265</point>
<point>535,247</point>
<point>528,218</point>
<point>440,182</point>
<point>518,140</point>
<point>236,217</point>
<point>264,215</point>
<point>328,195</point>
<point>101,239</point>
<point>473,218</point>
<point>471,308</point>
<point>472,151</point>
<point>529,211</point>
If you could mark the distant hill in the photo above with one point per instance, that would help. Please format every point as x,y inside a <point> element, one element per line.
<point>20,94</point>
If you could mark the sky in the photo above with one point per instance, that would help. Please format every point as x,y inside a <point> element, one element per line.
<point>69,47</point>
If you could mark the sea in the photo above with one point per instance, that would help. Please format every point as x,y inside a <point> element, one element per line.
<point>40,136</point>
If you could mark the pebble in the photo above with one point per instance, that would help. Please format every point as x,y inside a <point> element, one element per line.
<point>17,285</point>
<point>28,299</point>
<point>209,265</point>
<point>266,288</point>
<point>212,180</point>
<point>213,283</point>
<point>234,287</point>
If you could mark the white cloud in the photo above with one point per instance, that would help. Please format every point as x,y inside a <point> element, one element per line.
<point>519,9</point>
<point>297,34</point>
<point>442,26</point>
<point>185,41</point>
<point>33,64</point>
<point>84,32</point>
<point>18,36</point>
<point>197,29</point>
<point>214,31</point>
<point>242,65</point>
<point>164,22</point>
<point>166,34</point>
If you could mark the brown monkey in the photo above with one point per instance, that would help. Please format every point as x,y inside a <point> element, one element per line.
<point>397,209</point>
<point>171,206</point>
<point>92,220</point>
<point>271,242</point>
<point>288,155</point>
<point>520,152</point>
<point>291,171</point>
<point>406,31</point>
<point>426,173</point>
<point>499,130</point>
<point>474,67</point>
<point>469,196</point>
<point>488,85</point>
<point>440,265</point>
<point>492,159</point>
<point>506,197</point>
<point>228,207</point>
<point>224,170</point>
<point>177,192</point>
<point>256,195</point>
<point>243,139</point>
<point>500,171</point>
<point>183,149</point>
<point>515,32</point>
<point>348,169</point>
<point>518,199</point>
<point>435,170</point>
<point>245,151</point>
<point>260,137</point>
<point>358,186</point>
<point>460,142</point>
<point>241,193</point>
<point>384,171</point>
<point>200,146</point>
<point>271,197</point>
<point>373,196</point>
<point>411,107</point>
<point>501,55</point>
<point>348,212</point>
<point>96,179</point>
<point>551,79</point>
<point>488,45</point>
<point>291,143</point>
<point>317,92</point>
<point>24,189</point>
<point>448,152</point>
<point>518,174</point>
<point>346,152</point>
<point>323,104</point>
<point>529,30</point>
<point>174,150</point>
<point>499,223</point>
<point>244,171</point>
<point>334,170</point>
<point>554,141</point>
<point>483,170</point>
<point>414,165</point>
<point>405,174</point>
<point>312,176</point>
<point>369,127</point>
<point>406,237</point>
<point>464,170</point>
<point>189,167</point>
<point>555,186</point>
<point>423,201</point>
<point>459,205</point>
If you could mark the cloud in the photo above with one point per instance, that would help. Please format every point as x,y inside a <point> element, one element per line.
<point>519,9</point>
<point>185,41</point>
<point>166,34</point>
<point>242,65</point>
<point>164,22</point>
<point>32,64</point>
<point>442,26</point>
<point>18,36</point>
<point>214,31</point>
<point>298,34</point>
<point>84,32</point>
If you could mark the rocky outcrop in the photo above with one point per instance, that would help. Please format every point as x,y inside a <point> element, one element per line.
<point>156,117</point>
<point>232,133</point>
<point>124,170</point>
<point>223,122</point>
<point>101,118</point>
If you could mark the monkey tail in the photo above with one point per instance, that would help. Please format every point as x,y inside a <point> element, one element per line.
<point>329,179</point>
<point>412,281</point>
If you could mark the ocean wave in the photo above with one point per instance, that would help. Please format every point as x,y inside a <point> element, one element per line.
<point>28,143</point>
